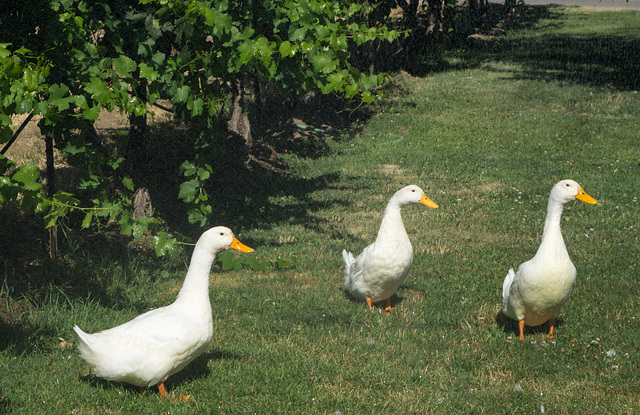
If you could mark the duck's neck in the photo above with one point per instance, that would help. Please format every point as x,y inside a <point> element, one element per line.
<point>552,242</point>
<point>196,283</point>
<point>391,223</point>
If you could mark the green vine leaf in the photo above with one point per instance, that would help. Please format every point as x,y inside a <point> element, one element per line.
<point>27,174</point>
<point>86,222</point>
<point>185,52</point>
<point>124,65</point>
<point>188,190</point>
<point>164,245</point>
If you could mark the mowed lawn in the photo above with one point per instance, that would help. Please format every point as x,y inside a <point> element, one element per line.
<point>486,134</point>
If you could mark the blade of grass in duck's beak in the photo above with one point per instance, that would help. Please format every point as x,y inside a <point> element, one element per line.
<point>582,195</point>
<point>428,202</point>
<point>239,246</point>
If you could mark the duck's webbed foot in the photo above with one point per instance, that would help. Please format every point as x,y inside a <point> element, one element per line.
<point>552,323</point>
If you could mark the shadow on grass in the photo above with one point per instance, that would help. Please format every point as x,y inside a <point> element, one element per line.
<point>242,187</point>
<point>510,326</point>
<point>467,33</point>
<point>194,370</point>
<point>88,266</point>
<point>598,60</point>
<point>199,368</point>
<point>594,60</point>
<point>82,275</point>
<point>5,403</point>
<point>241,199</point>
<point>396,300</point>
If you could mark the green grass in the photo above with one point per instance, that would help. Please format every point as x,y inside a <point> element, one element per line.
<point>486,139</point>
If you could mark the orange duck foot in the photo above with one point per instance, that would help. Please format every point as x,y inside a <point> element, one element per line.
<point>521,329</point>
<point>388,307</point>
<point>163,394</point>
<point>552,323</point>
<point>369,304</point>
<point>162,390</point>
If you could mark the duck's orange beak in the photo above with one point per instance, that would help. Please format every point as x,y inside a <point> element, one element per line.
<point>582,195</point>
<point>239,246</point>
<point>428,202</point>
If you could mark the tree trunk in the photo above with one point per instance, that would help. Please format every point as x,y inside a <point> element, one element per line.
<point>435,27</point>
<point>510,5</point>
<point>50,174</point>
<point>142,203</point>
<point>239,123</point>
<point>138,150</point>
<point>138,131</point>
<point>409,12</point>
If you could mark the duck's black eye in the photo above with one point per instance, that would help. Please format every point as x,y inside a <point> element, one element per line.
<point>221,233</point>
<point>413,190</point>
<point>567,185</point>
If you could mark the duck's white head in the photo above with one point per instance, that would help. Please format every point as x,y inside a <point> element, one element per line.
<point>567,190</point>
<point>413,194</point>
<point>219,239</point>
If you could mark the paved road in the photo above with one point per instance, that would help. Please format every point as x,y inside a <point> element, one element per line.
<point>598,4</point>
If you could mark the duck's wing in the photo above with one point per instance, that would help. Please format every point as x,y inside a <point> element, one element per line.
<point>355,267</point>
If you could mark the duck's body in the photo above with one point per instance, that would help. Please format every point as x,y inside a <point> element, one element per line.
<point>159,343</point>
<point>383,266</point>
<point>537,291</point>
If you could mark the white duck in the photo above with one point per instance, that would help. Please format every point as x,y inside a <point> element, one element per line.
<point>384,265</point>
<point>161,342</point>
<point>536,293</point>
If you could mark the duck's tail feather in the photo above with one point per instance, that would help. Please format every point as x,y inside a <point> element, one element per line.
<point>84,344</point>
<point>348,265</point>
<point>506,286</point>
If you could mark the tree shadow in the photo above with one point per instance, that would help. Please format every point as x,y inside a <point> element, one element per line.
<point>12,334</point>
<point>465,29</point>
<point>303,125</point>
<point>595,60</point>
<point>242,198</point>
<point>88,265</point>
<point>244,180</point>
<point>598,60</point>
